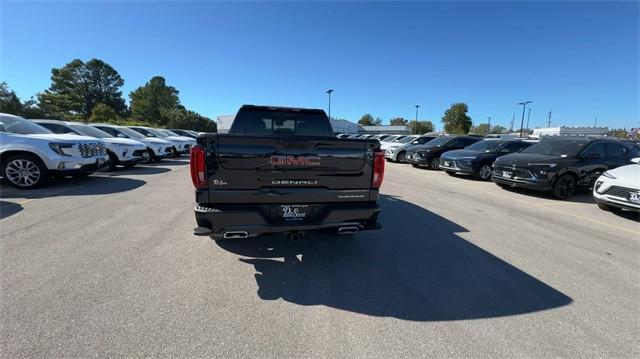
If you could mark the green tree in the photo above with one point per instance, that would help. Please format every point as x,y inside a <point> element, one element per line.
<point>148,102</point>
<point>77,87</point>
<point>618,133</point>
<point>456,120</point>
<point>9,101</point>
<point>498,129</point>
<point>366,120</point>
<point>188,120</point>
<point>482,129</point>
<point>420,127</point>
<point>103,113</point>
<point>398,121</point>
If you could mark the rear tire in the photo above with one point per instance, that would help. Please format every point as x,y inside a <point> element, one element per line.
<point>401,157</point>
<point>25,171</point>
<point>564,187</point>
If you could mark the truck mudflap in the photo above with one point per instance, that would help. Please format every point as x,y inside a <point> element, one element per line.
<point>246,220</point>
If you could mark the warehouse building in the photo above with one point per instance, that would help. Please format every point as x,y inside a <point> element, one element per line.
<point>570,131</point>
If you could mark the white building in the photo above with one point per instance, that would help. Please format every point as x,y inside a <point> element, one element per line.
<point>394,130</point>
<point>570,131</point>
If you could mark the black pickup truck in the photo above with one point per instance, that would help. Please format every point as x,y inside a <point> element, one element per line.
<point>283,170</point>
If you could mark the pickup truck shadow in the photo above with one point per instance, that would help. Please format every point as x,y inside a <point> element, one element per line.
<point>92,185</point>
<point>415,268</point>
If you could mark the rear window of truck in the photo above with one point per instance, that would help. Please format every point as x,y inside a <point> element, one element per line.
<point>281,123</point>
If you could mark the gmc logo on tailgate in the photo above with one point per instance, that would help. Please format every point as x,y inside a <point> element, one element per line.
<point>301,161</point>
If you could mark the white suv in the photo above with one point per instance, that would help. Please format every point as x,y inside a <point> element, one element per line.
<point>121,151</point>
<point>30,154</point>
<point>182,145</point>
<point>619,188</point>
<point>156,148</point>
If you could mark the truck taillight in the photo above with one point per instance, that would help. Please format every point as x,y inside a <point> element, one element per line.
<point>198,168</point>
<point>378,169</point>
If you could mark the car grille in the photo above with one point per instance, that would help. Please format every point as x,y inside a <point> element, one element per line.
<point>92,149</point>
<point>517,172</point>
<point>622,192</point>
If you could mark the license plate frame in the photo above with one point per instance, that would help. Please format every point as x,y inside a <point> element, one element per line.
<point>634,197</point>
<point>507,174</point>
<point>294,212</point>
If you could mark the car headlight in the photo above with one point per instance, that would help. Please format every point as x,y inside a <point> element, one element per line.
<point>121,145</point>
<point>466,163</point>
<point>598,185</point>
<point>550,165</point>
<point>60,147</point>
<point>609,175</point>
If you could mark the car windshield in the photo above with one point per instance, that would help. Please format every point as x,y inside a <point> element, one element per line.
<point>89,131</point>
<point>169,133</point>
<point>485,146</point>
<point>389,139</point>
<point>130,133</point>
<point>440,141</point>
<point>156,132</point>
<point>563,148</point>
<point>20,126</point>
<point>406,139</point>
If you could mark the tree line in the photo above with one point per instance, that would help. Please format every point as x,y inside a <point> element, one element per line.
<point>91,92</point>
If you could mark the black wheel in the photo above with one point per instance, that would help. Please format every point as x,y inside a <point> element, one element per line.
<point>564,187</point>
<point>401,156</point>
<point>450,173</point>
<point>483,173</point>
<point>152,156</point>
<point>113,161</point>
<point>415,165</point>
<point>24,171</point>
<point>174,152</point>
<point>434,163</point>
<point>604,207</point>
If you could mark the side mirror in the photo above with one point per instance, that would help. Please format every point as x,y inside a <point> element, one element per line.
<point>635,160</point>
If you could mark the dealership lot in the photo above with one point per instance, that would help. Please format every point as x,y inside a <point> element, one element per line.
<point>108,265</point>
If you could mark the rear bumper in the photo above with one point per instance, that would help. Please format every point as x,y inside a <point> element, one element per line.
<point>256,219</point>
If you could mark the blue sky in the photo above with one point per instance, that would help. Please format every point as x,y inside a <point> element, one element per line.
<point>579,59</point>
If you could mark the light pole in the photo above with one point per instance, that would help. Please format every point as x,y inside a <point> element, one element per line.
<point>415,124</point>
<point>528,116</point>
<point>489,125</point>
<point>524,105</point>
<point>328,92</point>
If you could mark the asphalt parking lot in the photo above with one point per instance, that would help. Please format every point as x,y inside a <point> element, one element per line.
<point>107,266</point>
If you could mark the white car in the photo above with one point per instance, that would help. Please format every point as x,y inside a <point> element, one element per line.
<point>182,145</point>
<point>121,151</point>
<point>397,142</point>
<point>30,154</point>
<point>619,188</point>
<point>156,148</point>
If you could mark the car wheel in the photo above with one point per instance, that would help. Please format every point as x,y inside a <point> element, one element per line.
<point>401,156</point>
<point>434,163</point>
<point>113,161</point>
<point>564,187</point>
<point>24,171</point>
<point>604,207</point>
<point>450,173</point>
<point>415,165</point>
<point>174,152</point>
<point>484,173</point>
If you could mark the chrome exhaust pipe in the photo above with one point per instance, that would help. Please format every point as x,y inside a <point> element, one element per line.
<point>348,230</point>
<point>235,235</point>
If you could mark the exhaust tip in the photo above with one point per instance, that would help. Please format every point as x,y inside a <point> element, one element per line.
<point>348,230</point>
<point>235,235</point>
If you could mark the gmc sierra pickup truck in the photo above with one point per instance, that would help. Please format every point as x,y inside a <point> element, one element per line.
<point>283,170</point>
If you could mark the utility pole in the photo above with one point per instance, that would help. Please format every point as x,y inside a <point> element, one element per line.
<point>596,123</point>
<point>513,118</point>
<point>489,125</point>
<point>328,92</point>
<point>524,105</point>
<point>528,116</point>
<point>415,124</point>
<point>549,121</point>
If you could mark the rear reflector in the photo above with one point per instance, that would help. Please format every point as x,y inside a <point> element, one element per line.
<point>378,169</point>
<point>198,168</point>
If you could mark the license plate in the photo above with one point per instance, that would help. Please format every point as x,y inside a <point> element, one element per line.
<point>447,163</point>
<point>507,174</point>
<point>294,212</point>
<point>634,198</point>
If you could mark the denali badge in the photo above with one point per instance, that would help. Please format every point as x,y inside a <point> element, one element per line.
<point>217,182</point>
<point>295,161</point>
<point>295,182</point>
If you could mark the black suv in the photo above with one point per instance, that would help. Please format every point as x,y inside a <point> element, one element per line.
<point>429,153</point>
<point>562,165</point>
<point>476,160</point>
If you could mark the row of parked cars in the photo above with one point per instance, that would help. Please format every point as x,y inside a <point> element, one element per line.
<point>560,166</point>
<point>32,151</point>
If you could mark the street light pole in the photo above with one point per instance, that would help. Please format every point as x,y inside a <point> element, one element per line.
<point>524,105</point>
<point>415,124</point>
<point>328,92</point>
<point>489,125</point>
<point>528,116</point>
